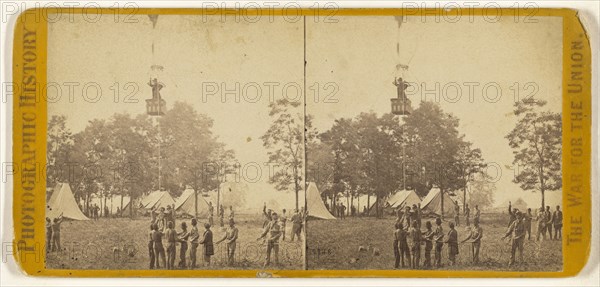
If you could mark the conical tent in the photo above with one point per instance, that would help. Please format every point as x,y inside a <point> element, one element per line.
<point>186,205</point>
<point>63,202</point>
<point>403,198</point>
<point>432,203</point>
<point>157,199</point>
<point>314,203</point>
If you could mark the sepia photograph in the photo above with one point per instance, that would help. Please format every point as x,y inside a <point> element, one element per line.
<point>437,144</point>
<point>365,143</point>
<point>175,142</point>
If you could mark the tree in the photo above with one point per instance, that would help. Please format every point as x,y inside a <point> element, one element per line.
<point>284,141</point>
<point>536,141</point>
<point>481,191</point>
<point>59,149</point>
<point>438,153</point>
<point>471,163</point>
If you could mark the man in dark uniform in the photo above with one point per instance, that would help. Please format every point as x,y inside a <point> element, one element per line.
<point>557,218</point>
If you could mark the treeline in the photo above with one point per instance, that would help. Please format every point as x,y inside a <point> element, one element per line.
<point>377,155</point>
<point>120,155</point>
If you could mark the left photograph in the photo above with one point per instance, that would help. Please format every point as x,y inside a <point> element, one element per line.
<point>175,142</point>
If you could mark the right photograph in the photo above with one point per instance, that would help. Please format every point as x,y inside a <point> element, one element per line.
<point>434,143</point>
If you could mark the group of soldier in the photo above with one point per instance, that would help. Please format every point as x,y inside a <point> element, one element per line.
<point>163,225</point>
<point>409,237</point>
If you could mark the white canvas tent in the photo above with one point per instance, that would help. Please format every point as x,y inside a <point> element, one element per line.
<point>432,203</point>
<point>185,204</point>
<point>63,202</point>
<point>314,203</point>
<point>403,198</point>
<point>157,199</point>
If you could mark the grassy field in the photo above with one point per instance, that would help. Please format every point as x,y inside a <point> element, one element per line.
<point>105,244</point>
<point>334,244</point>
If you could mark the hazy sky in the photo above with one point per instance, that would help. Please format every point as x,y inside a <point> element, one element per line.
<point>357,54</point>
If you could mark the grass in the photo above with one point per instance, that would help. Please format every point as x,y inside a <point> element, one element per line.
<point>334,244</point>
<point>92,244</point>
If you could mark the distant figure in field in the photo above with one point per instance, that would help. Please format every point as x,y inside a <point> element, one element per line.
<point>475,239</point>
<point>541,227</point>
<point>548,219</point>
<point>283,220</point>
<point>439,241</point>
<point>415,248</point>
<point>207,243</point>
<point>159,250</point>
<point>517,233</point>
<point>231,212</point>
<point>456,215</point>
<point>365,213</point>
<point>428,238</point>
<point>296,225</point>
<point>342,211</point>
<point>56,233</point>
<point>467,213</point>
<point>221,216</point>
<point>527,221</point>
<point>211,213</point>
<point>183,237</point>
<point>557,218</point>
<point>452,241</point>
<point>511,213</point>
<point>272,232</point>
<point>477,214</point>
<point>230,237</point>
<point>171,235</point>
<point>352,210</point>
<point>400,236</point>
<point>194,236</point>
<point>106,211</point>
<point>48,235</point>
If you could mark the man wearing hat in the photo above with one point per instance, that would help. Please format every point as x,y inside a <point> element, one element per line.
<point>517,233</point>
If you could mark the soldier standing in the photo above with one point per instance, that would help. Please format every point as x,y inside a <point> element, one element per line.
<point>548,219</point>
<point>527,220</point>
<point>452,241</point>
<point>517,233</point>
<point>415,248</point>
<point>456,215</point>
<point>428,237</point>
<point>475,239</point>
<point>230,238</point>
<point>194,236</point>
<point>272,232</point>
<point>541,228</point>
<point>400,235</point>
<point>439,241</point>
<point>557,218</point>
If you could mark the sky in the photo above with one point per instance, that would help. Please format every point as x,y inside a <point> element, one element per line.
<point>355,58</point>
